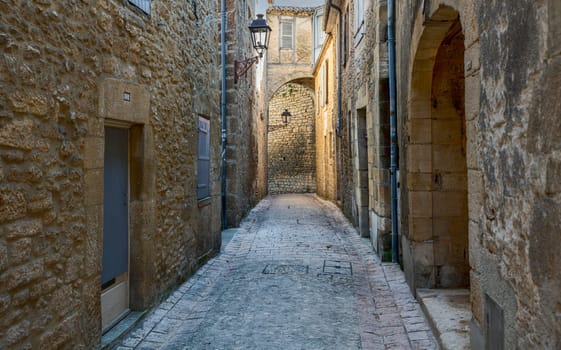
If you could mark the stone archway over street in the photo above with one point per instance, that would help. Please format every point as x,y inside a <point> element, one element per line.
<point>291,144</point>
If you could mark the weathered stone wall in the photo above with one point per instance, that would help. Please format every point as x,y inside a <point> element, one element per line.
<point>345,136</point>
<point>365,130</point>
<point>292,149</point>
<point>289,67</point>
<point>246,127</point>
<point>520,158</point>
<point>284,64</point>
<point>326,121</point>
<point>301,51</point>
<point>510,104</point>
<point>56,59</point>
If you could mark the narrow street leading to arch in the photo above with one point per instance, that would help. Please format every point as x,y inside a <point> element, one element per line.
<point>295,275</point>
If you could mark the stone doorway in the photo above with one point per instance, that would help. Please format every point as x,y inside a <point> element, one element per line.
<point>436,157</point>
<point>437,180</point>
<point>291,145</point>
<point>115,252</point>
<point>361,164</point>
<point>449,170</point>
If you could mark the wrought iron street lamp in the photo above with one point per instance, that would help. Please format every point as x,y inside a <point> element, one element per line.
<point>260,35</point>
<point>285,116</point>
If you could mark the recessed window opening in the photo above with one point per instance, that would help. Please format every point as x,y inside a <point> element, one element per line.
<point>144,5</point>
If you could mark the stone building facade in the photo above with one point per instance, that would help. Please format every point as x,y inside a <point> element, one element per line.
<point>289,85</point>
<point>479,196</point>
<point>291,143</point>
<point>246,133</point>
<point>103,95</point>
<point>290,54</point>
<point>363,125</point>
<point>479,189</point>
<point>325,73</point>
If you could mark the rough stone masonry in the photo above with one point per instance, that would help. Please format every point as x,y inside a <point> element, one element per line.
<point>65,68</point>
<point>291,146</point>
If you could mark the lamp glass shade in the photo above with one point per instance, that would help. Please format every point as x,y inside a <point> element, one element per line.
<point>260,37</point>
<point>285,116</point>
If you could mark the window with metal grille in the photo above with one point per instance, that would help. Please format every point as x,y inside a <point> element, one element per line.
<point>144,5</point>
<point>287,34</point>
<point>203,161</point>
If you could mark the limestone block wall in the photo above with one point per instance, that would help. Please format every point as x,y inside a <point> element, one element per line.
<point>510,104</point>
<point>292,151</point>
<point>290,67</point>
<point>301,50</point>
<point>246,142</point>
<point>64,70</point>
<point>326,122</point>
<point>296,62</point>
<point>366,106</point>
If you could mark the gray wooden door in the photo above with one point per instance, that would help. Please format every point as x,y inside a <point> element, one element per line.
<point>115,205</point>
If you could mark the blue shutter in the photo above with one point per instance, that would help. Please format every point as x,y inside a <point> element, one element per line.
<point>144,5</point>
<point>203,162</point>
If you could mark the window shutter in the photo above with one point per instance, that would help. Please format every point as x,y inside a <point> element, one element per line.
<point>203,163</point>
<point>359,20</point>
<point>319,35</point>
<point>287,35</point>
<point>144,5</point>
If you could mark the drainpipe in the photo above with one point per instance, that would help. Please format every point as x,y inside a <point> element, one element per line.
<point>393,127</point>
<point>223,115</point>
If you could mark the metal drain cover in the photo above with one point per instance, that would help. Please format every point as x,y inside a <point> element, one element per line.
<point>336,267</point>
<point>274,269</point>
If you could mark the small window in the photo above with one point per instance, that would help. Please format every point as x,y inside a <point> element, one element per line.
<point>287,35</point>
<point>144,5</point>
<point>319,34</point>
<point>203,162</point>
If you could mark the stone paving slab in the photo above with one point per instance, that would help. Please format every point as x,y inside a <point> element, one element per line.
<point>296,275</point>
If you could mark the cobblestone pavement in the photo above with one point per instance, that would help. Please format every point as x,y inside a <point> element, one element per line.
<point>295,276</point>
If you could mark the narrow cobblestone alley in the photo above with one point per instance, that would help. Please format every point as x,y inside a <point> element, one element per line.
<point>295,276</point>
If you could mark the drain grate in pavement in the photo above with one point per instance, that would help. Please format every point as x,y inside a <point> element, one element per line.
<point>274,269</point>
<point>336,267</point>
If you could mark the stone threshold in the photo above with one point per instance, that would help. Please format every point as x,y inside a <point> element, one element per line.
<point>113,336</point>
<point>449,314</point>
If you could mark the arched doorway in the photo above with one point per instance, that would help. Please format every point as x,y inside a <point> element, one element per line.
<point>291,142</point>
<point>436,156</point>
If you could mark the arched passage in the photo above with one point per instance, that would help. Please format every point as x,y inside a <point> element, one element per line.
<point>436,156</point>
<point>291,145</point>
<point>277,81</point>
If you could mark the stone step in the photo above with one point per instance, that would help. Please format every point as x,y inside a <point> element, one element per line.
<point>113,336</point>
<point>449,315</point>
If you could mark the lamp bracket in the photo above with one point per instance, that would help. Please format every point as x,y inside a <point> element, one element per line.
<point>241,67</point>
